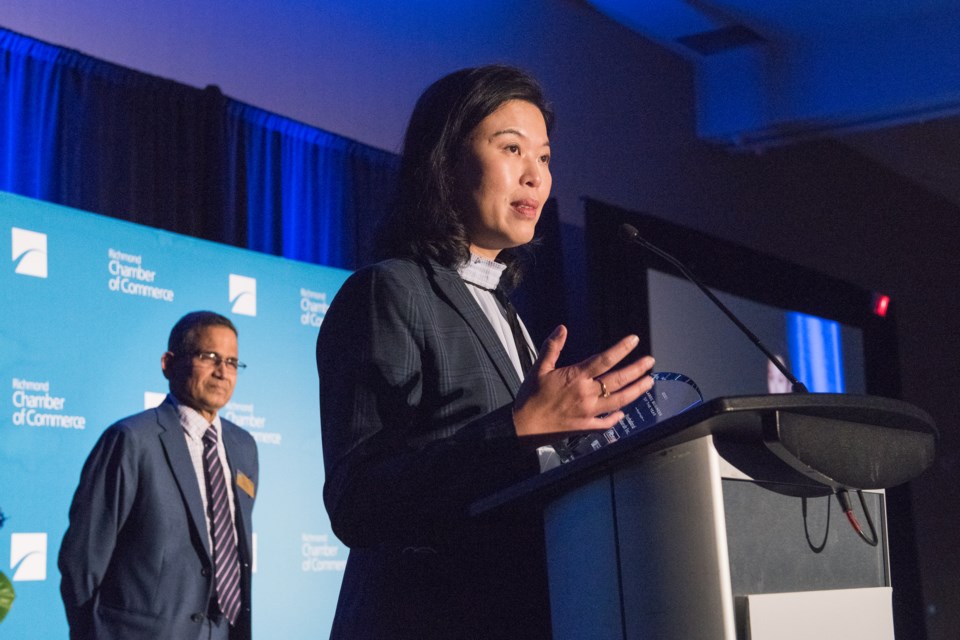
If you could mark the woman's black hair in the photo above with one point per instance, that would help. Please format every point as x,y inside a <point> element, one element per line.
<point>425,221</point>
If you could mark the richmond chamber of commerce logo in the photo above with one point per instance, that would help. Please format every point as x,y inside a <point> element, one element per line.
<point>319,554</point>
<point>243,295</point>
<point>29,252</point>
<point>313,307</point>
<point>35,406</point>
<point>28,556</point>
<point>245,415</point>
<point>128,275</point>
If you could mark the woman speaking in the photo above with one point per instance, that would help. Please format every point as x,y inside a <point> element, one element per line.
<point>431,395</point>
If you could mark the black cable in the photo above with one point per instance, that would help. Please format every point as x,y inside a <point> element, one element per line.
<point>806,530</point>
<point>866,514</point>
<point>844,498</point>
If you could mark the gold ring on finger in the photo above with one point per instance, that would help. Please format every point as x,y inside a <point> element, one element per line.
<point>603,388</point>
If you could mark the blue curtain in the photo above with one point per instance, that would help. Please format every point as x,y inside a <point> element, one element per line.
<point>306,194</point>
<point>96,136</point>
<point>29,88</point>
<point>91,135</point>
<point>88,134</point>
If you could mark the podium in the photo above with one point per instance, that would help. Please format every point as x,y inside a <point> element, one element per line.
<point>719,523</point>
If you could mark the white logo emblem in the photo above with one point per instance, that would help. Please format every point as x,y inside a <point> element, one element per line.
<point>29,252</point>
<point>153,399</point>
<point>243,295</point>
<point>28,556</point>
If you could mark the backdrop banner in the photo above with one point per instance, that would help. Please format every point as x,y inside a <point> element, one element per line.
<point>87,304</point>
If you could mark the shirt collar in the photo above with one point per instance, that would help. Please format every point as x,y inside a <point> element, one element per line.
<point>481,272</point>
<point>192,422</point>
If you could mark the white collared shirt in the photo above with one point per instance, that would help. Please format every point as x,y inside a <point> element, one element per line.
<point>194,426</point>
<point>482,276</point>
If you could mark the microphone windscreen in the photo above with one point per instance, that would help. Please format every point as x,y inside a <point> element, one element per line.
<point>628,232</point>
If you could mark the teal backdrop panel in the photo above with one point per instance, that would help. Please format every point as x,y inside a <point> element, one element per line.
<point>86,305</point>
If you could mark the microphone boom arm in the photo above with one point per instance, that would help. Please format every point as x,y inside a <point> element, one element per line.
<point>632,235</point>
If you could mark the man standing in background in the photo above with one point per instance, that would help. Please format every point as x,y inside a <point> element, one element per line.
<point>159,542</point>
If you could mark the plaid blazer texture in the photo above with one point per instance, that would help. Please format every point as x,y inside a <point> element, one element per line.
<point>416,393</point>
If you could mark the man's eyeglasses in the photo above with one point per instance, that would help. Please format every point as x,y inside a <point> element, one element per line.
<point>214,358</point>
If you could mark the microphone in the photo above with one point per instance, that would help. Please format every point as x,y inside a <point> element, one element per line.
<point>628,233</point>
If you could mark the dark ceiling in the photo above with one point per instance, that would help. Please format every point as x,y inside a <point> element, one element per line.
<point>881,76</point>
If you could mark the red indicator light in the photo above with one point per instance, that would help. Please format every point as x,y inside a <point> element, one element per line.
<point>880,304</point>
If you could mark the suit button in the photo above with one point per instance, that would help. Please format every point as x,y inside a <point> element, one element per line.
<point>197,617</point>
<point>205,572</point>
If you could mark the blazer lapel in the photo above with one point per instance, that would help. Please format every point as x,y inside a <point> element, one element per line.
<point>451,285</point>
<point>243,502</point>
<point>175,446</point>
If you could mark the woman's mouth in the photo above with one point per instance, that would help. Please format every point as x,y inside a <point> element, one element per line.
<point>526,207</point>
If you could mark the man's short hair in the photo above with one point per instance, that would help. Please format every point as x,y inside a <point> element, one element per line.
<point>183,336</point>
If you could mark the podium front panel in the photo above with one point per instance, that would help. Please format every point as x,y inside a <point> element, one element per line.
<point>667,543</point>
<point>775,547</point>
<point>641,553</point>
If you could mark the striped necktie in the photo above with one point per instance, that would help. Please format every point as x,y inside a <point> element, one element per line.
<point>225,560</point>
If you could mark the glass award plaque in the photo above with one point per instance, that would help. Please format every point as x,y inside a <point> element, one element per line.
<point>672,393</point>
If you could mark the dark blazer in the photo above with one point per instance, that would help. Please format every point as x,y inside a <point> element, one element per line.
<point>135,561</point>
<point>416,394</point>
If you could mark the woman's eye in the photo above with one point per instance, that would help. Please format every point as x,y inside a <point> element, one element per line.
<point>545,159</point>
<point>513,148</point>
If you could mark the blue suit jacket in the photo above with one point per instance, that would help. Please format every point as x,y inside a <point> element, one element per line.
<point>416,393</point>
<point>135,561</point>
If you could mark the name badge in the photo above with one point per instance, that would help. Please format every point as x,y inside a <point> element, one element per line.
<point>245,483</point>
